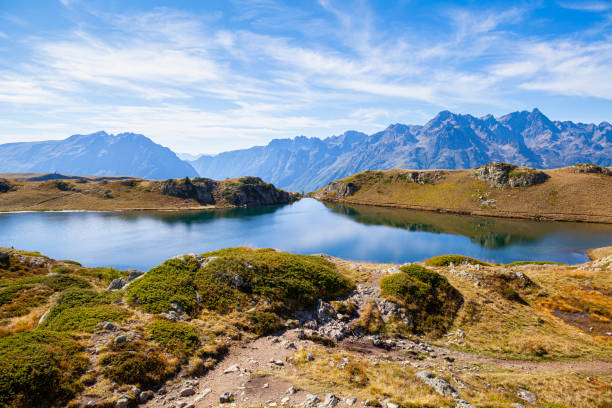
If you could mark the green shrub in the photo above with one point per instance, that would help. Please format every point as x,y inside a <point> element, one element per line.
<point>235,277</point>
<point>68,261</point>
<point>172,281</point>
<point>105,275</point>
<point>178,338</point>
<point>445,260</point>
<point>39,369</point>
<point>61,269</point>
<point>430,300</point>
<point>264,323</point>
<point>288,282</point>
<point>82,310</point>
<point>135,367</point>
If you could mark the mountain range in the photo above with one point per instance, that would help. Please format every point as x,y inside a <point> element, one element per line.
<point>448,141</point>
<point>95,154</point>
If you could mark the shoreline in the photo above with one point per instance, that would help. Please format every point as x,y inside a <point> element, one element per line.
<point>559,217</point>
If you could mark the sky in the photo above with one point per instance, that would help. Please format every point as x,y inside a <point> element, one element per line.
<point>210,76</point>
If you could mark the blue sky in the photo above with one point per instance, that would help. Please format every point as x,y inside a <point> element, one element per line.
<point>209,76</point>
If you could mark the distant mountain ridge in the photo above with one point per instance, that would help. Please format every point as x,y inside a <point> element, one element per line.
<point>448,141</point>
<point>98,153</point>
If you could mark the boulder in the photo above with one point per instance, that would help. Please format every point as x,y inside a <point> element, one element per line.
<point>503,175</point>
<point>526,396</point>
<point>440,385</point>
<point>187,392</point>
<point>117,283</point>
<point>120,339</point>
<point>590,168</point>
<point>311,400</point>
<point>330,401</point>
<point>226,397</point>
<point>5,186</point>
<point>122,402</point>
<point>144,396</point>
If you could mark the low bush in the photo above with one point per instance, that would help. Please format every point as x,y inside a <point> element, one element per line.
<point>445,260</point>
<point>428,298</point>
<point>178,338</point>
<point>264,323</point>
<point>135,367</point>
<point>105,275</point>
<point>39,369</point>
<point>239,277</point>
<point>370,321</point>
<point>82,310</point>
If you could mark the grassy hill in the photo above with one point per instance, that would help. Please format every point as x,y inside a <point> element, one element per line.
<point>55,192</point>
<point>573,193</point>
<point>267,326</point>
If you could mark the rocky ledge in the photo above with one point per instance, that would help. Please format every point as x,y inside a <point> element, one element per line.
<point>590,168</point>
<point>503,175</point>
<point>242,192</point>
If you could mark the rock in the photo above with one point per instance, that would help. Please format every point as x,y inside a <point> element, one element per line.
<point>441,386</point>
<point>460,334</point>
<point>350,401</point>
<point>309,357</point>
<point>203,395</point>
<point>463,404</point>
<point>325,311</point>
<point>392,405</point>
<point>117,284</point>
<point>266,385</point>
<point>231,369</point>
<point>590,168</point>
<point>199,190</point>
<point>502,175</point>
<point>526,396</point>
<point>187,392</point>
<point>134,274</point>
<point>5,186</point>
<point>108,326</point>
<point>330,401</point>
<point>190,406</point>
<point>311,400</point>
<point>122,402</point>
<point>4,257</point>
<point>291,390</point>
<point>145,396</point>
<point>226,397</point>
<point>120,339</point>
<point>277,362</point>
<point>338,189</point>
<point>517,405</point>
<point>285,400</point>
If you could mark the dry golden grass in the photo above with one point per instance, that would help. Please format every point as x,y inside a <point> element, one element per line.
<point>598,253</point>
<point>499,327</point>
<point>564,196</point>
<point>361,378</point>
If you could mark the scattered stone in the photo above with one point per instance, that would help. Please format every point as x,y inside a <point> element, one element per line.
<point>277,362</point>
<point>120,339</point>
<point>461,333</point>
<point>311,400</point>
<point>226,397</point>
<point>291,390</point>
<point>188,392</point>
<point>122,402</point>
<point>350,401</point>
<point>266,385</point>
<point>330,401</point>
<point>145,396</point>
<point>285,400</point>
<point>392,405</point>
<point>134,275</point>
<point>441,386</point>
<point>463,404</point>
<point>517,405</point>
<point>526,396</point>
<point>309,357</point>
<point>231,369</point>
<point>203,395</point>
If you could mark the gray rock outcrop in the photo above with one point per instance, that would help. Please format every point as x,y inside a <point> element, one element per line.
<point>503,175</point>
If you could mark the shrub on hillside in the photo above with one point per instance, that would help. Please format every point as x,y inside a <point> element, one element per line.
<point>430,300</point>
<point>178,338</point>
<point>39,369</point>
<point>445,260</point>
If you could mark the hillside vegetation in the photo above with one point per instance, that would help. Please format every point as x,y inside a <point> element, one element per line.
<point>255,326</point>
<point>54,192</point>
<point>496,189</point>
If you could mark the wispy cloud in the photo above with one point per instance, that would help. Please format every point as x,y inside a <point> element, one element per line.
<point>210,81</point>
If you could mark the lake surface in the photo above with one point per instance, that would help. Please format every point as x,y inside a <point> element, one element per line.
<point>142,240</point>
